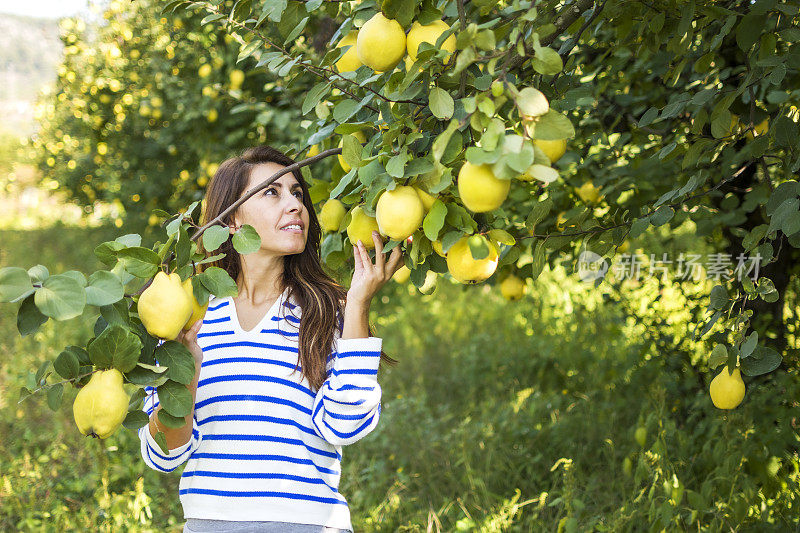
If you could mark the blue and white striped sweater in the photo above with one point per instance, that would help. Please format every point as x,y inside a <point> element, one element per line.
<point>264,446</point>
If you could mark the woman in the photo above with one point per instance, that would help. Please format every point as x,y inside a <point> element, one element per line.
<point>275,396</point>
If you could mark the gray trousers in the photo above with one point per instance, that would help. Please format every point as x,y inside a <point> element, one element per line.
<point>198,525</point>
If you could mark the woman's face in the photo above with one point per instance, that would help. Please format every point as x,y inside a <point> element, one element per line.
<point>272,208</point>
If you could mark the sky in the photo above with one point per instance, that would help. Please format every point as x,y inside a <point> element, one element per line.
<point>44,8</point>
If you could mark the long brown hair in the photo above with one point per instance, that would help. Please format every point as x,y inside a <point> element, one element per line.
<point>320,297</point>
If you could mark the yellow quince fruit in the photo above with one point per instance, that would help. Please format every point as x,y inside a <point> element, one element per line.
<point>349,61</point>
<point>402,274</point>
<point>465,268</point>
<point>427,199</point>
<point>512,288</point>
<point>204,70</point>
<point>198,312</point>
<point>552,149</point>
<point>362,139</point>
<point>760,129</point>
<point>314,150</point>
<point>237,78</point>
<point>361,227</point>
<point>479,189</point>
<point>381,43</point>
<point>399,212</point>
<point>331,215</point>
<point>101,405</point>
<point>211,116</point>
<point>727,390</point>
<point>624,247</point>
<point>437,247</point>
<point>640,435</point>
<point>428,34</point>
<point>164,307</point>
<point>588,193</point>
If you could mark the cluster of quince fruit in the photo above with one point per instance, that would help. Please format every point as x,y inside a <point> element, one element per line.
<point>168,306</point>
<point>398,214</point>
<point>165,307</point>
<point>381,43</point>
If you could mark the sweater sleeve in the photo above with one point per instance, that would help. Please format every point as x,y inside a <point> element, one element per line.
<point>151,452</point>
<point>348,405</point>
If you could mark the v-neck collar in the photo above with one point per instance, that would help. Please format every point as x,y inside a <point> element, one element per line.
<point>261,323</point>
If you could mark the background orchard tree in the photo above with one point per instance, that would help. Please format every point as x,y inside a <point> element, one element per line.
<point>683,111</point>
<point>585,126</point>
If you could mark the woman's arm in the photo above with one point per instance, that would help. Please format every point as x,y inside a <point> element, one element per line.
<point>356,319</point>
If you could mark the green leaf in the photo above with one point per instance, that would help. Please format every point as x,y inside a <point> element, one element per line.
<point>478,247</point>
<point>400,10</point>
<point>345,109</point>
<point>752,239</point>
<point>214,236</point>
<point>38,273</point>
<point>15,283</point>
<point>178,359</point>
<point>117,313</point>
<point>174,422</point>
<point>115,346</point>
<point>787,209</point>
<point>175,398</point>
<point>104,288</point>
<point>662,215</point>
<point>708,325</point>
<point>183,247</point>
<point>246,240</point>
<point>538,212</point>
<point>29,318</point>
<point>345,180</point>
<point>139,261</point>
<point>553,126</point>
<point>749,344</point>
<point>502,236</point>
<point>218,281</point>
<point>351,150</point>
<point>762,361</point>
<point>547,61</point>
<point>296,31</point>
<point>273,9</point>
<point>721,125</point>
<point>639,226</point>
<point>314,96</point>
<point>54,396</point>
<point>137,419</point>
<point>719,355</point>
<point>395,167</point>
<point>538,261</point>
<point>434,220</point>
<point>517,153</point>
<point>649,117</point>
<point>441,103</point>
<point>67,364</point>
<point>60,297</point>
<point>749,30</point>
<point>442,140</point>
<point>719,297</point>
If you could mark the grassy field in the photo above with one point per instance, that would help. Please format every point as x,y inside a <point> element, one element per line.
<point>500,416</point>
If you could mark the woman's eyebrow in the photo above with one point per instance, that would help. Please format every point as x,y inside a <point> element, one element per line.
<point>296,185</point>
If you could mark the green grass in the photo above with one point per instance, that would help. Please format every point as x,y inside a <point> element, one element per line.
<point>500,416</point>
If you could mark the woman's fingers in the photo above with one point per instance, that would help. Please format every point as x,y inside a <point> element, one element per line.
<point>379,259</point>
